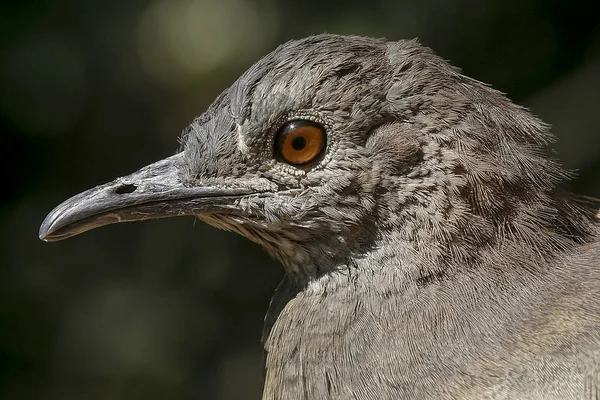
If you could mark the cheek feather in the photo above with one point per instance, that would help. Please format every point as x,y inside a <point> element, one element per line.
<point>241,144</point>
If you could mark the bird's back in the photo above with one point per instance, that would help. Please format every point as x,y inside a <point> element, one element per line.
<point>474,336</point>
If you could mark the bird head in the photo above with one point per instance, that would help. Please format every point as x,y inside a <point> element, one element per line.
<point>332,148</point>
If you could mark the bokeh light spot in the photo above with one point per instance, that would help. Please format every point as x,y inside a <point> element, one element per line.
<point>179,39</point>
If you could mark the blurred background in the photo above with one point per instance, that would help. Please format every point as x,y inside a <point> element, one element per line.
<point>92,90</point>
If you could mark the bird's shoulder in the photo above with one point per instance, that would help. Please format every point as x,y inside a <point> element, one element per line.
<point>537,341</point>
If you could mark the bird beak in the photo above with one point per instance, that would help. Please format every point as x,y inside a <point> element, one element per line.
<point>155,191</point>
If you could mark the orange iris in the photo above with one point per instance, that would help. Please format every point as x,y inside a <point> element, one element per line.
<point>300,142</point>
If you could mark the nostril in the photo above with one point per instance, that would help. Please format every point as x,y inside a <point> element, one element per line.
<point>127,188</point>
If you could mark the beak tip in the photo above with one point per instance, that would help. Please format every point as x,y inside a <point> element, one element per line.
<point>53,222</point>
<point>45,229</point>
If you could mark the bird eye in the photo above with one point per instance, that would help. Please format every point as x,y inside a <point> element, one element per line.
<point>300,142</point>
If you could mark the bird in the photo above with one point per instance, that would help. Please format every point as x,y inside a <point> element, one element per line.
<point>431,247</point>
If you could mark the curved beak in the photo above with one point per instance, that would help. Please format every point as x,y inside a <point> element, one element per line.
<point>155,191</point>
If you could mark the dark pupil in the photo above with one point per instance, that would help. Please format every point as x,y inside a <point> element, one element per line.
<point>299,143</point>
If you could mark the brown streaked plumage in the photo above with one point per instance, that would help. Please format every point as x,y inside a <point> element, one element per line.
<point>429,247</point>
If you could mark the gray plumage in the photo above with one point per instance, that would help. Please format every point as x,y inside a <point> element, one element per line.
<point>430,252</point>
